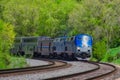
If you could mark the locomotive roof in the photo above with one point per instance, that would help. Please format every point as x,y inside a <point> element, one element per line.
<point>83,35</point>
<point>33,37</point>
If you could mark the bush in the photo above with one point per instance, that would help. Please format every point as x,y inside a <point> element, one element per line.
<point>99,50</point>
<point>6,40</point>
<point>112,55</point>
<point>17,62</point>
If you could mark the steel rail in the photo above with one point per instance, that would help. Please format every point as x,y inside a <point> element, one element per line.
<point>104,74</point>
<point>81,73</point>
<point>13,70</point>
<point>42,67</point>
<point>76,74</point>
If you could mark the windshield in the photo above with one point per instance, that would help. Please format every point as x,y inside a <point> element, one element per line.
<point>85,40</point>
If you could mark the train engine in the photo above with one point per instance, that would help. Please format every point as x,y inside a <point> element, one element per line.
<point>79,47</point>
<point>83,44</point>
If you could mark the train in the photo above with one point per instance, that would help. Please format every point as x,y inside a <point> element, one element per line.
<point>68,47</point>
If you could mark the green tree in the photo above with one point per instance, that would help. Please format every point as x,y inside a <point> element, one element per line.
<point>54,17</point>
<point>6,40</point>
<point>98,18</point>
<point>38,17</point>
<point>23,15</point>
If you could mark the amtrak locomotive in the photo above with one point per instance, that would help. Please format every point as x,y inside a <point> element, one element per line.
<point>79,46</point>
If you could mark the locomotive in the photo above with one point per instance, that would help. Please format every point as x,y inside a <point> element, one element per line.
<point>79,46</point>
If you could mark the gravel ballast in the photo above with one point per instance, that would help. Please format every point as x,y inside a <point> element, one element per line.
<point>33,62</point>
<point>76,67</point>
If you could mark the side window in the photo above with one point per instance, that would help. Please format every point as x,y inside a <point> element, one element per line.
<point>20,47</point>
<point>72,38</point>
<point>34,48</point>
<point>54,40</point>
<point>57,40</point>
<point>69,39</point>
<point>60,39</point>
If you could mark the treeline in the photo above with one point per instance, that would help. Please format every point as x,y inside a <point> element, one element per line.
<point>6,39</point>
<point>99,18</point>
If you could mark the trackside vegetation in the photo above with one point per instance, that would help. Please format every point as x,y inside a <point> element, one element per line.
<point>113,56</point>
<point>54,18</point>
<point>7,35</point>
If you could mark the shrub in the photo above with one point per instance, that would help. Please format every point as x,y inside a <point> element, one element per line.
<point>6,40</point>
<point>99,50</point>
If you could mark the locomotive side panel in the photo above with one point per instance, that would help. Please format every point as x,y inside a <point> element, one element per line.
<point>70,46</point>
<point>58,45</point>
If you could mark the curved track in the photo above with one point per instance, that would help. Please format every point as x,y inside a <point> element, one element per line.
<point>52,65</point>
<point>104,69</point>
<point>77,74</point>
<point>48,72</point>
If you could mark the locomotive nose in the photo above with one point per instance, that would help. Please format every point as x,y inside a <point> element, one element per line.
<point>84,55</point>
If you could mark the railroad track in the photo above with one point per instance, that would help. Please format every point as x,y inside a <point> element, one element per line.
<point>103,70</point>
<point>18,71</point>
<point>96,71</point>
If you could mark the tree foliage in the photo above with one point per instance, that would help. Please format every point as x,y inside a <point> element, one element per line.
<point>6,36</point>
<point>6,40</point>
<point>99,18</point>
<point>38,17</point>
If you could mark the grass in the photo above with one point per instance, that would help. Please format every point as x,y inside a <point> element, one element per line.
<point>113,56</point>
<point>114,51</point>
<point>17,62</point>
<point>7,61</point>
<point>116,61</point>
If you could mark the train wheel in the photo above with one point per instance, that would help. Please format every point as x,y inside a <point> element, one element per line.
<point>62,56</point>
<point>66,56</point>
<point>22,53</point>
<point>34,54</point>
<point>18,53</point>
<point>72,56</point>
<point>43,56</point>
<point>50,55</point>
<point>39,54</point>
<point>55,55</point>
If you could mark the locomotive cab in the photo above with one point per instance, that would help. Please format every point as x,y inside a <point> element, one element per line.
<point>83,44</point>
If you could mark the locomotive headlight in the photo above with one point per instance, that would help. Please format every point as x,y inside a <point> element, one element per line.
<point>78,48</point>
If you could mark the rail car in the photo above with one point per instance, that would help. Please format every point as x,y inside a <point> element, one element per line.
<point>79,46</point>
